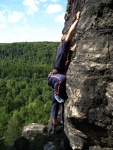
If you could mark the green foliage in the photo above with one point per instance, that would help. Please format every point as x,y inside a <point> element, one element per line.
<point>25,96</point>
<point>14,128</point>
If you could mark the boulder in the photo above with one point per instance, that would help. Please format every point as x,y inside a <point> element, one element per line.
<point>32,130</point>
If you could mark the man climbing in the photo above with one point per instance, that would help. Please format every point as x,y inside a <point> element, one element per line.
<point>57,77</point>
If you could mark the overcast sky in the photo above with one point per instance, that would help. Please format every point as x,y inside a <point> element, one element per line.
<point>31,20</point>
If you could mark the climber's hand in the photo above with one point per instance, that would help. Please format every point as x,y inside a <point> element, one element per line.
<point>78,15</point>
<point>73,49</point>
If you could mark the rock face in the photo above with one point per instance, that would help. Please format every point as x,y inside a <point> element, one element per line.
<point>89,109</point>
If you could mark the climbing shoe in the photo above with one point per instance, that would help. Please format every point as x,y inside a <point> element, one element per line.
<point>59,99</point>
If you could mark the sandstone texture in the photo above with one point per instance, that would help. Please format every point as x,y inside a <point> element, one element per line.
<point>89,109</point>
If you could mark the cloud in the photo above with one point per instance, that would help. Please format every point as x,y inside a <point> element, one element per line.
<point>54,0</point>
<point>3,19</point>
<point>60,18</point>
<point>31,6</point>
<point>7,17</point>
<point>3,26</point>
<point>53,8</point>
<point>26,32</point>
<point>15,16</point>
<point>16,25</point>
<point>43,0</point>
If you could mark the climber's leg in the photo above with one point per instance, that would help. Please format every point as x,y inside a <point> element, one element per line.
<point>54,111</point>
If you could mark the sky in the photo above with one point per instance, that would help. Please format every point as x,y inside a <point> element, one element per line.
<point>31,20</point>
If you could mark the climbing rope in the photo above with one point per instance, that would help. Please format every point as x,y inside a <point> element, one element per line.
<point>75,5</point>
<point>72,12</point>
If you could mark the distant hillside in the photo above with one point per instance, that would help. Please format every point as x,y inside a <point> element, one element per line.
<point>25,96</point>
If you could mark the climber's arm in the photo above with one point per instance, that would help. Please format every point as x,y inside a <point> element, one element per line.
<point>73,27</point>
<point>73,49</point>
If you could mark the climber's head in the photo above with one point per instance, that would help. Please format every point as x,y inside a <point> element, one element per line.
<point>63,37</point>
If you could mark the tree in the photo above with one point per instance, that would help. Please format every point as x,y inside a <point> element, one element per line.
<point>14,129</point>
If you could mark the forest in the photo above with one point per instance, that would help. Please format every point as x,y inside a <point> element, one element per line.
<point>25,96</point>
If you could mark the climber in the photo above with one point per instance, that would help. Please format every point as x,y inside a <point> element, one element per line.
<point>57,77</point>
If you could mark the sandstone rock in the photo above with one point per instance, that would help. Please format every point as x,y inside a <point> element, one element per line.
<point>12,148</point>
<point>88,111</point>
<point>32,130</point>
<point>49,146</point>
<point>29,134</point>
<point>20,144</point>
